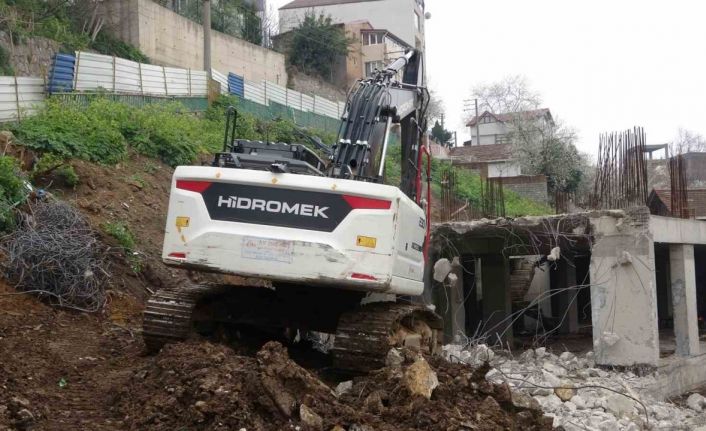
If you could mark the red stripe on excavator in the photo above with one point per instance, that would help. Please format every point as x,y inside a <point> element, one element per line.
<point>178,255</point>
<point>193,186</point>
<point>360,276</point>
<point>357,202</point>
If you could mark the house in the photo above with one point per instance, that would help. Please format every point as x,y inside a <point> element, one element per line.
<point>660,203</point>
<point>497,161</point>
<point>403,18</point>
<point>494,129</point>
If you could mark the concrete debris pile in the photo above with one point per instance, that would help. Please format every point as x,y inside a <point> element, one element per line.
<point>579,395</point>
<point>202,386</point>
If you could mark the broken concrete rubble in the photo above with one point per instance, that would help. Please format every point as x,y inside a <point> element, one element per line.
<point>587,398</point>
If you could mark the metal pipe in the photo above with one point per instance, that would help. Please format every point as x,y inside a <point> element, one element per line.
<point>207,37</point>
<point>385,139</point>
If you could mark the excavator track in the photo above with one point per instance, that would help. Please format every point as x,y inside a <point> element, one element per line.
<point>168,315</point>
<point>365,335</point>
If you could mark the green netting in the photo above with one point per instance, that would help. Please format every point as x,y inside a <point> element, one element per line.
<point>193,104</point>
<point>300,118</point>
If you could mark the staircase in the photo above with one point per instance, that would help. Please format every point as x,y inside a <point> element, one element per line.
<point>520,281</point>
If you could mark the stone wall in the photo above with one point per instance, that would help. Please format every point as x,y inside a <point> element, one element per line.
<point>169,39</point>
<point>32,57</point>
<point>312,85</point>
<point>532,187</point>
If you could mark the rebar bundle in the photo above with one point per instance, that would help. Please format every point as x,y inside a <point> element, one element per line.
<point>678,187</point>
<point>621,178</point>
<point>56,254</point>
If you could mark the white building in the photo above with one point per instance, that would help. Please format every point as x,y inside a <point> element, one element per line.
<point>495,128</point>
<point>403,18</point>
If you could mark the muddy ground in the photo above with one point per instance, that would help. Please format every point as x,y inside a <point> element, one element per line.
<point>63,370</point>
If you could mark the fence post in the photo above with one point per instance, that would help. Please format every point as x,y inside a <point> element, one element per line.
<point>142,88</point>
<point>264,85</point>
<point>78,62</point>
<point>164,75</point>
<point>17,99</point>
<point>189,81</point>
<point>114,89</point>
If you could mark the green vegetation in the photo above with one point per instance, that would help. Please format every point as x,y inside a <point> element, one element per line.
<point>53,165</point>
<point>5,66</point>
<point>122,233</point>
<point>73,24</point>
<point>102,130</point>
<point>468,186</point>
<point>237,18</point>
<point>441,135</point>
<point>12,191</point>
<point>316,45</point>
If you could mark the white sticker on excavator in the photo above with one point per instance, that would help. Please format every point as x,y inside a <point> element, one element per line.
<point>267,249</point>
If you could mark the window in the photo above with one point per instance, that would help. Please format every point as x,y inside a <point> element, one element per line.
<point>370,67</point>
<point>487,119</point>
<point>372,38</point>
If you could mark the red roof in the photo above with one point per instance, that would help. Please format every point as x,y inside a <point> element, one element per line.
<point>696,200</point>
<point>482,153</point>
<point>509,116</point>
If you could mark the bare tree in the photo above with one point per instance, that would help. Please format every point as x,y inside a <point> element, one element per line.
<point>511,94</point>
<point>687,141</point>
<point>541,144</point>
<point>435,110</point>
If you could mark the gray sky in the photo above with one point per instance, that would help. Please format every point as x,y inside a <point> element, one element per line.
<point>599,65</point>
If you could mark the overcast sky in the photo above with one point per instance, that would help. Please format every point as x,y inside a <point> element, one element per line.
<point>599,65</point>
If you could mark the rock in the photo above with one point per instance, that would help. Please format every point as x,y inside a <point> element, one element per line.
<point>338,428</point>
<point>550,379</point>
<point>6,137</point>
<point>25,416</point>
<point>373,403</point>
<point>554,369</point>
<point>540,352</point>
<point>343,387</point>
<point>17,403</point>
<point>619,405</point>
<point>477,355</point>
<point>420,379</point>
<point>200,405</point>
<point>565,392</point>
<point>310,418</point>
<point>579,402</point>
<point>442,268</point>
<point>524,401</point>
<point>609,424</point>
<point>696,402</point>
<point>549,403</point>
<point>570,406</point>
<point>567,356</point>
<point>527,356</point>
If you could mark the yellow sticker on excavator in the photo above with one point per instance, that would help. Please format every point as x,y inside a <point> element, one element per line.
<point>366,241</point>
<point>182,221</point>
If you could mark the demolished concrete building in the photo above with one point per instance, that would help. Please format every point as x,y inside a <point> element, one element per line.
<point>625,279</point>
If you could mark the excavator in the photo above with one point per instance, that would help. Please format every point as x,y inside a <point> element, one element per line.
<point>341,252</point>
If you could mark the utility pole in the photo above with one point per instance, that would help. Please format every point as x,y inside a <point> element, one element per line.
<point>207,37</point>
<point>477,123</point>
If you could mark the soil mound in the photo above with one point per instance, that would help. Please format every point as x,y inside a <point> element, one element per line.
<point>202,386</point>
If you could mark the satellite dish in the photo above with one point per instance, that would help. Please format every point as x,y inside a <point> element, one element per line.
<point>427,15</point>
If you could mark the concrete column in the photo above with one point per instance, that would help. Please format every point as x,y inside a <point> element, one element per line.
<point>683,280</point>
<point>623,289</point>
<point>564,303</point>
<point>497,304</point>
